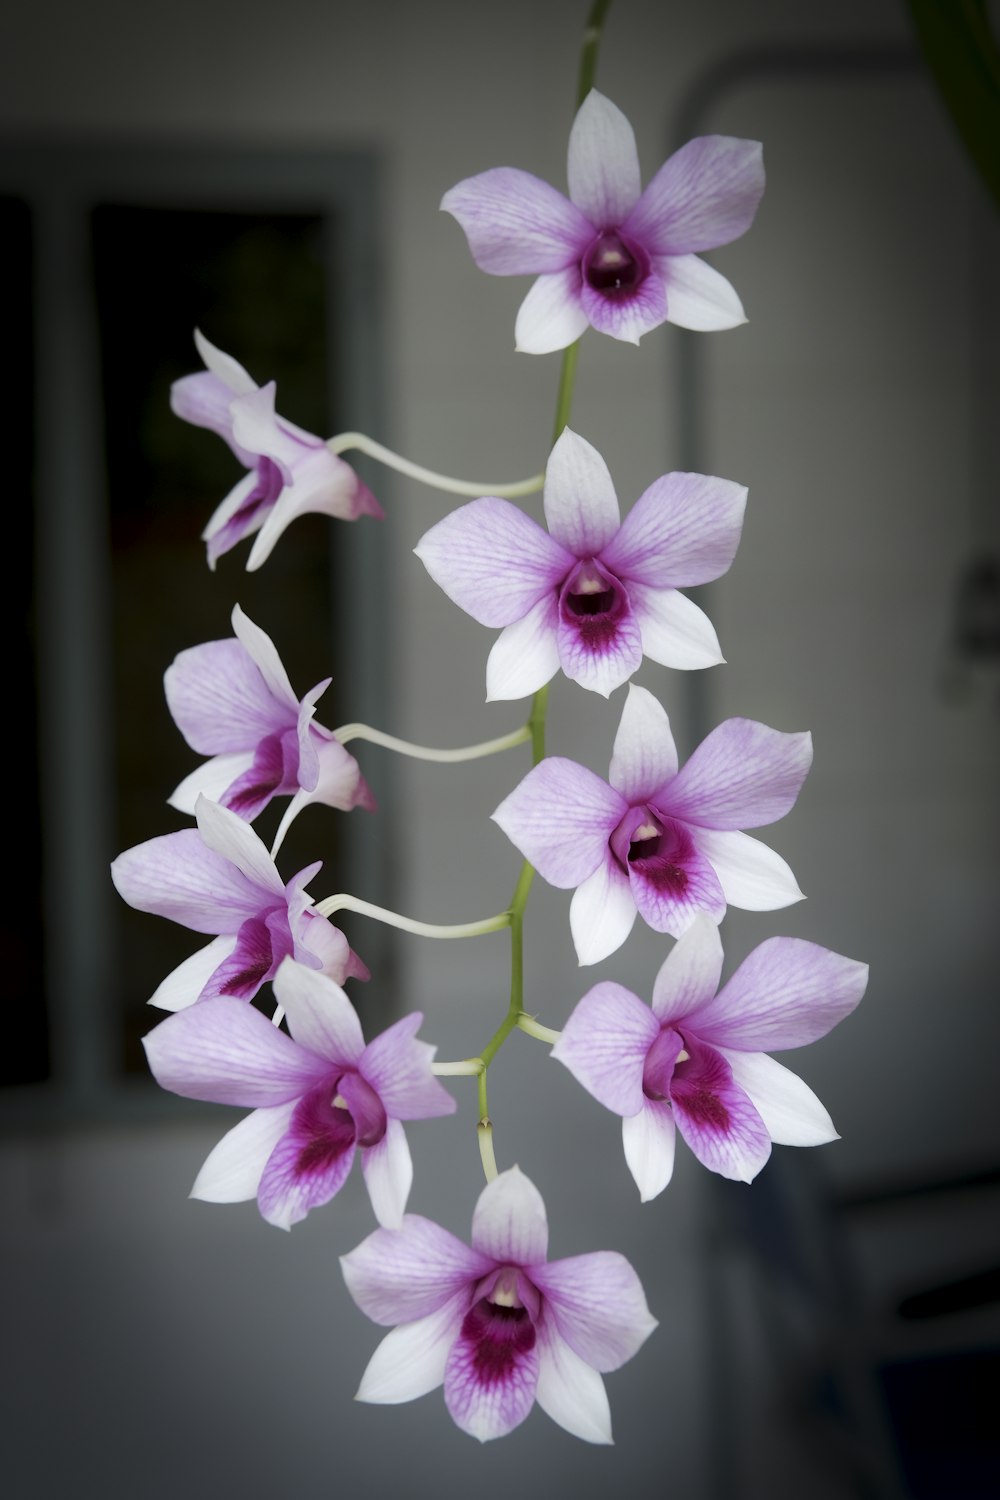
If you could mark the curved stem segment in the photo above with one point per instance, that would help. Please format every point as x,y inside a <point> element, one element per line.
<point>349,732</point>
<point>345,441</point>
<point>344,902</point>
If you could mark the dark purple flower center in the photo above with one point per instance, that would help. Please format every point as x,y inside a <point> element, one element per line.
<point>593,602</point>
<point>335,1117</point>
<point>657,848</point>
<point>500,1333</point>
<point>613,265</point>
<point>270,483</point>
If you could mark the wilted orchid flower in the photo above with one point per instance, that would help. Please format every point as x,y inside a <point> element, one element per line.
<point>319,1093</point>
<point>660,840</point>
<point>594,593</point>
<point>610,255</point>
<point>500,1325</point>
<point>695,1061</point>
<point>232,700</point>
<point>291,472</point>
<point>219,878</point>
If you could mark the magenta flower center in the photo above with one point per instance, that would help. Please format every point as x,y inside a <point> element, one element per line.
<point>654,847</point>
<point>592,601</point>
<point>613,265</point>
<point>500,1329</point>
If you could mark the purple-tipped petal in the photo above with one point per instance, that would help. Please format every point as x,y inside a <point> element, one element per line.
<point>644,754</point>
<point>184,984</point>
<point>388,1171</point>
<point>509,1223</point>
<point>311,1162</point>
<point>790,1110</point>
<point>569,1390</point>
<point>689,975</point>
<point>517,225</point>
<point>705,195</point>
<point>751,875</point>
<point>525,655</point>
<point>602,912</point>
<point>598,1306</point>
<point>396,1276</point>
<point>398,1067</point>
<point>228,1053</point>
<point>551,316</point>
<point>176,876</point>
<point>560,817</point>
<point>787,993</point>
<point>649,1139</point>
<point>232,1171</point>
<point>742,775</point>
<point>683,530</point>
<point>604,1045</point>
<point>602,168</point>
<point>320,1016</point>
<point>698,296</point>
<point>581,507</point>
<point>494,561</point>
<point>716,1118</point>
<point>674,632</point>
<point>492,1371</point>
<point>243,511</point>
<point>410,1361</point>
<point>627,317</point>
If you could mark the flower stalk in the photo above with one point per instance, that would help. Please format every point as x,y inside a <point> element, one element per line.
<point>345,441</point>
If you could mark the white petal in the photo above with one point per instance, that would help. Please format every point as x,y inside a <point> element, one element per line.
<point>698,297</point>
<point>581,507</point>
<point>509,1221</point>
<point>226,834</point>
<point>261,649</point>
<point>320,1016</point>
<point>752,876</point>
<point>551,316</point>
<point>675,632</point>
<point>644,754</point>
<point>790,1110</point>
<point>602,168</point>
<point>232,1172</point>
<point>224,367</point>
<point>649,1139</point>
<point>691,971</point>
<point>601,913</point>
<point>388,1170</point>
<point>182,988</point>
<point>210,780</point>
<point>571,1392</point>
<point>410,1360</point>
<point>524,656</point>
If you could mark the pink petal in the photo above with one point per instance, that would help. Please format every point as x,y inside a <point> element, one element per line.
<point>569,1390</point>
<point>649,1139</point>
<point>787,993</point>
<point>524,656</point>
<point>224,1051</point>
<point>602,912</point>
<point>388,1171</point>
<point>494,561</point>
<point>598,1306</point>
<point>305,1169</point>
<point>581,507</point>
<point>790,1110</point>
<point>560,818</point>
<point>644,754</point>
<point>231,1173</point>
<point>689,975</point>
<point>175,876</point>
<point>683,530</point>
<point>509,1223</point>
<point>398,1067</point>
<point>674,632</point>
<point>705,195</point>
<point>742,775</point>
<point>204,401</point>
<point>751,875</point>
<point>627,316</point>
<point>396,1276</point>
<point>604,1045</point>
<point>603,163</point>
<point>489,1387</point>
<point>698,296</point>
<point>320,1016</point>
<point>410,1361</point>
<point>716,1118</point>
<point>551,316</point>
<point>516,224</point>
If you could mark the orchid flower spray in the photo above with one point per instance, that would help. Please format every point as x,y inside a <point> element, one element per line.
<point>260,1018</point>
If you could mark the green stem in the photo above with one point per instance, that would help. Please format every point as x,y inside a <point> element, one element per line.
<point>591,43</point>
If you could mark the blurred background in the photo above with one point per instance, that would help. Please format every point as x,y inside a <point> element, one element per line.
<point>273,176</point>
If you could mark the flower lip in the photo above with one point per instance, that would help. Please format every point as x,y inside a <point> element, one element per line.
<point>661,1059</point>
<point>592,601</point>
<point>614,265</point>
